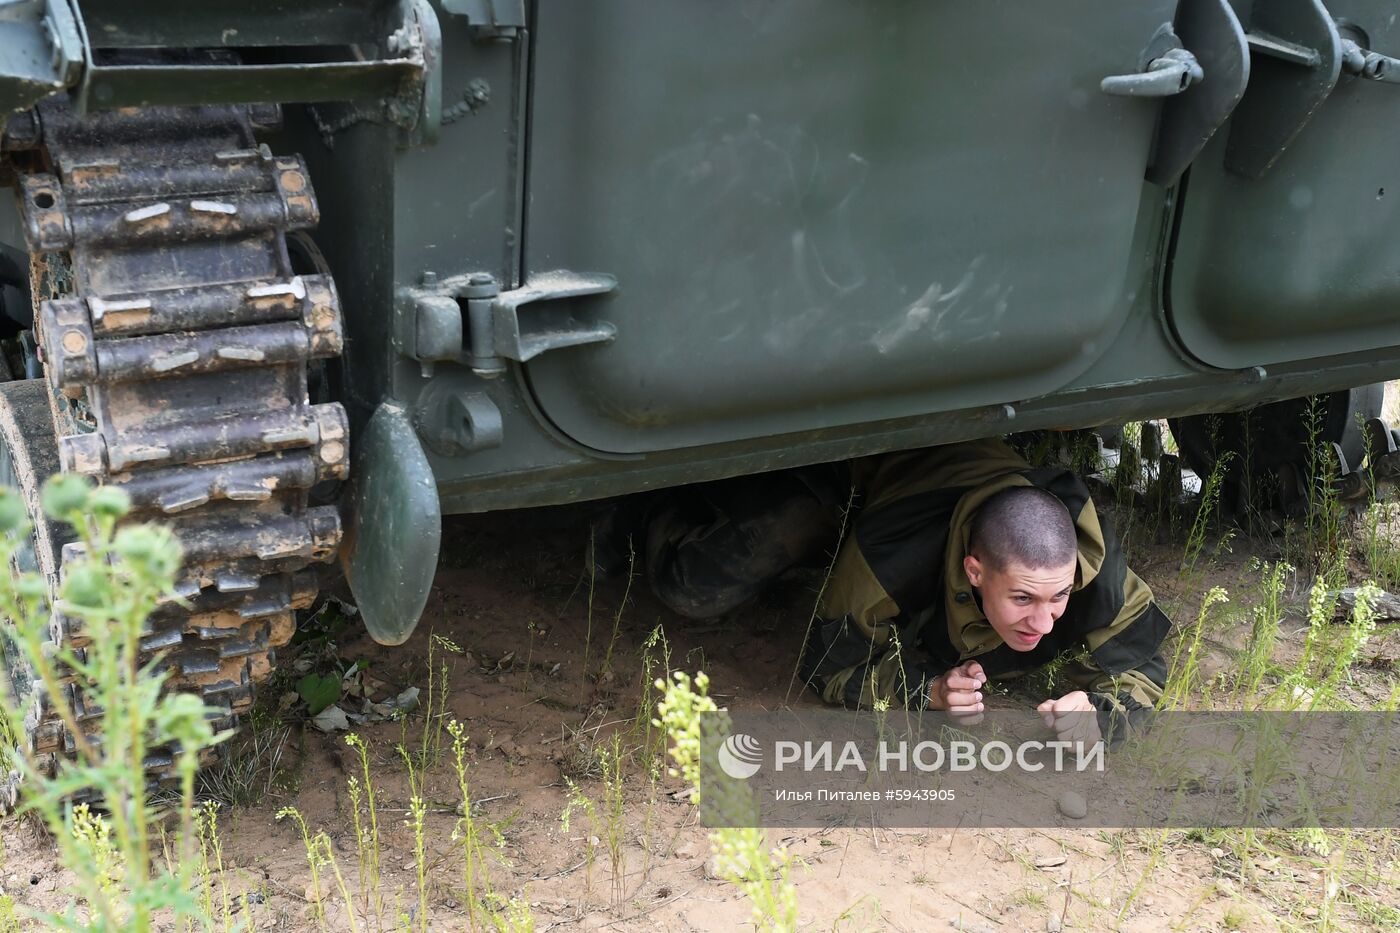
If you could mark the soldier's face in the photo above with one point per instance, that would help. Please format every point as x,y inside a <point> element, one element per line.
<point>1021,604</point>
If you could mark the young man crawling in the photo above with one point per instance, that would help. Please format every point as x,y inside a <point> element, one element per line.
<point>966,564</point>
<point>962,564</point>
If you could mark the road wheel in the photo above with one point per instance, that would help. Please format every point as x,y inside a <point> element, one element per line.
<point>1272,439</point>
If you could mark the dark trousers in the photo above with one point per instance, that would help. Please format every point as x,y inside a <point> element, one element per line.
<point>712,547</point>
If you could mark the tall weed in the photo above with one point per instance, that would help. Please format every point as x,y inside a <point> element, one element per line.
<point>741,852</point>
<point>118,576</point>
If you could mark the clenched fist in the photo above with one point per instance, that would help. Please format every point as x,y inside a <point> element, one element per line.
<point>1073,718</point>
<point>959,691</point>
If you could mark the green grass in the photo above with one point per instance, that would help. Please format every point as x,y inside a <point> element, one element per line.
<point>122,877</point>
<point>1288,654</point>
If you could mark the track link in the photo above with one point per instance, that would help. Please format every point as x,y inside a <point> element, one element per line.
<point>178,367</point>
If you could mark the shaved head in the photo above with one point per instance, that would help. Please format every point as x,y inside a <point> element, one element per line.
<point>1025,526</point>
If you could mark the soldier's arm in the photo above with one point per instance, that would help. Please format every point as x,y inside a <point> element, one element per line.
<point>1124,673</point>
<point>854,664</point>
<point>860,647</point>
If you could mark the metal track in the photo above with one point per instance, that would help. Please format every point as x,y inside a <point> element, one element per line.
<point>178,371</point>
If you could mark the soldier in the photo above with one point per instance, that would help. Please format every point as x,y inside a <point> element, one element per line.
<point>962,563</point>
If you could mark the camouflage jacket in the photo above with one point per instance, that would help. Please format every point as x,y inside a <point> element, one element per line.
<point>899,610</point>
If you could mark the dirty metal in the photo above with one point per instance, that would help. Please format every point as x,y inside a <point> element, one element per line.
<point>429,319</point>
<point>1361,486</point>
<point>190,366</point>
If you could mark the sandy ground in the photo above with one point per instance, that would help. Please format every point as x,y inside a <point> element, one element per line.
<point>511,594</point>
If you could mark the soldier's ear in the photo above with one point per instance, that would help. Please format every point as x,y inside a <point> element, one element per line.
<point>974,570</point>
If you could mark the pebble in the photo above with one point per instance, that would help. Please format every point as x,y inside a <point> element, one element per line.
<point>1073,805</point>
<point>1053,924</point>
<point>969,926</point>
<point>711,870</point>
<point>1050,861</point>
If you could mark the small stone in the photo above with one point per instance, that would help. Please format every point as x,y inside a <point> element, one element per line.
<point>1050,861</point>
<point>1310,912</point>
<point>310,894</point>
<point>969,926</point>
<point>1053,924</point>
<point>1225,886</point>
<point>712,872</point>
<point>407,700</point>
<point>1217,853</point>
<point>331,719</point>
<point>1073,805</point>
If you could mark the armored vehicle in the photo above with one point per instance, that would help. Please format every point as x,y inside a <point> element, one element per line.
<point>303,277</point>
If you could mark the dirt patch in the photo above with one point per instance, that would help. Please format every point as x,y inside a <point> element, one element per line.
<point>551,666</point>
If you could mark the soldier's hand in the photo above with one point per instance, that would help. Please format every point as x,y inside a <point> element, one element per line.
<point>1073,718</point>
<point>959,691</point>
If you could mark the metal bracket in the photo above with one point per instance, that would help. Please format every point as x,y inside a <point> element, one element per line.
<point>427,323</point>
<point>490,19</point>
<point>1214,34</point>
<point>454,420</point>
<point>1298,61</point>
<point>41,52</point>
<point>514,340</point>
<point>397,81</point>
<point>428,319</point>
